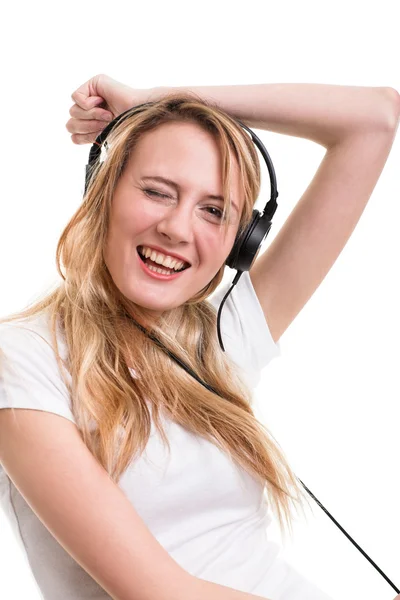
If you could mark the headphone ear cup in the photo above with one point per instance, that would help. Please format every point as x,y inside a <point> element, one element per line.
<point>237,258</point>
<point>234,255</point>
<point>247,246</point>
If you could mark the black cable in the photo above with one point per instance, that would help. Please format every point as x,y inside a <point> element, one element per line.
<point>351,539</point>
<point>188,370</point>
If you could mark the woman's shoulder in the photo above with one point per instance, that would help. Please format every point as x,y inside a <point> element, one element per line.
<point>30,339</point>
<point>30,375</point>
<point>37,326</point>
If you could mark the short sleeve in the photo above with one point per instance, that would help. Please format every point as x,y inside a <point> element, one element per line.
<point>244,330</point>
<point>29,373</point>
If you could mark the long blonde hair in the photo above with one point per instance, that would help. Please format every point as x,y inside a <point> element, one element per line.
<point>102,342</point>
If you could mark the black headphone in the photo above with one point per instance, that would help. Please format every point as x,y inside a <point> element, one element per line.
<point>244,251</point>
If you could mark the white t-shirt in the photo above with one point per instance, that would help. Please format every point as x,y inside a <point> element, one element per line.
<point>205,510</point>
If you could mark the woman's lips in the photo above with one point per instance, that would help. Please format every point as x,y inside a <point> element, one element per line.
<point>159,276</point>
<point>158,265</point>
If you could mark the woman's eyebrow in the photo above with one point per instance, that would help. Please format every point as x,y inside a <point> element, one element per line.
<point>177,187</point>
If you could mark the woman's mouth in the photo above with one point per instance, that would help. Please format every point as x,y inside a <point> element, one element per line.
<point>157,270</point>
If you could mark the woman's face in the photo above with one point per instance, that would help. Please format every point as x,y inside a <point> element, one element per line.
<point>184,220</point>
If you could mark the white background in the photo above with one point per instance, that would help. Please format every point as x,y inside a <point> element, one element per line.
<point>332,399</point>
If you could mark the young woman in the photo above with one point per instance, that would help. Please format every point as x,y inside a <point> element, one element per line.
<point>122,476</point>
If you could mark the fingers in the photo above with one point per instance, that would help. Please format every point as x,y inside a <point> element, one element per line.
<point>88,118</point>
<point>86,125</point>
<point>88,138</point>
<point>85,96</point>
<point>99,114</point>
<point>84,131</point>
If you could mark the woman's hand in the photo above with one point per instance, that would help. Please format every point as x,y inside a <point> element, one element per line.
<point>97,102</point>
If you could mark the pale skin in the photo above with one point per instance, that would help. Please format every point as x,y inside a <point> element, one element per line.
<point>357,126</point>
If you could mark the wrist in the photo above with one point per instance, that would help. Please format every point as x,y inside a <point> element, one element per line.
<point>134,96</point>
<point>155,93</point>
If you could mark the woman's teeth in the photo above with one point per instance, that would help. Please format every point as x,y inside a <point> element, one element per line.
<point>163,271</point>
<point>148,257</point>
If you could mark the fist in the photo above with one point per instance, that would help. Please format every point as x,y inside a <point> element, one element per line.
<point>97,102</point>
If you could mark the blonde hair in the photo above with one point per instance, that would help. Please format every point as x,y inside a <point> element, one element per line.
<point>102,342</point>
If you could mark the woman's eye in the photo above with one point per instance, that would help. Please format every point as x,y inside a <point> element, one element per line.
<point>155,193</point>
<point>220,213</point>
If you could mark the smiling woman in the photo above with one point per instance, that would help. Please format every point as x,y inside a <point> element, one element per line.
<point>179,222</point>
<point>198,472</point>
<point>122,393</point>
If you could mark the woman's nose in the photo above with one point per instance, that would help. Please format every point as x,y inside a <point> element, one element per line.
<point>177,224</point>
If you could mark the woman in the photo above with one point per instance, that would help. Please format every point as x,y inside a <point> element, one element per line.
<point>152,486</point>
